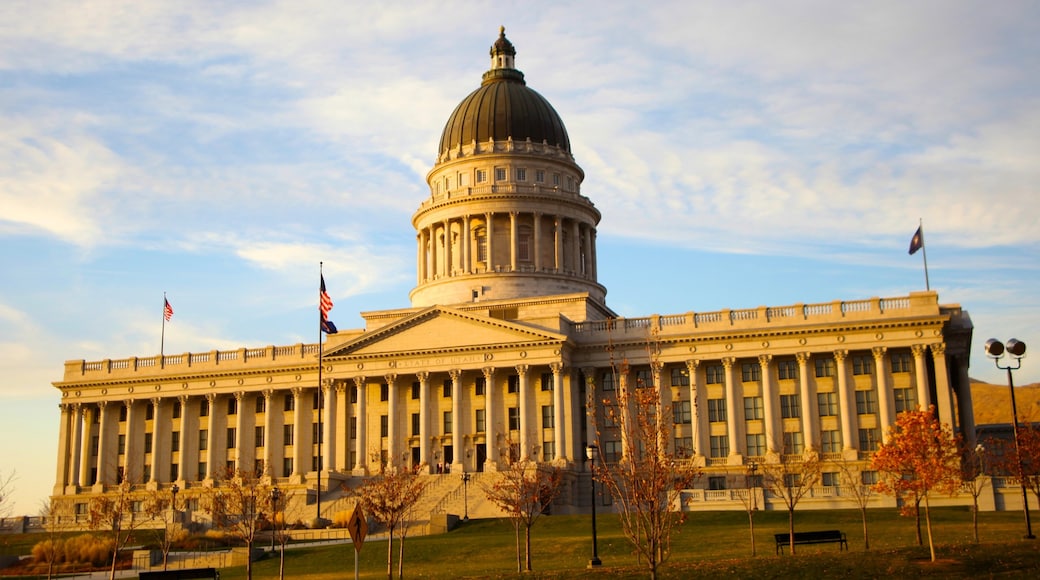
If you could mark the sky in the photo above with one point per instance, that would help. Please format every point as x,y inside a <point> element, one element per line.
<point>742,153</point>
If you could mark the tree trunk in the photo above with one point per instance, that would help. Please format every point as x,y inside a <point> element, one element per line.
<point>390,555</point>
<point>527,547</point>
<point>866,537</point>
<point>400,557</point>
<point>928,522</point>
<point>751,522</point>
<point>917,516</point>
<point>790,528</point>
<point>249,560</point>
<point>975,519</point>
<point>519,563</point>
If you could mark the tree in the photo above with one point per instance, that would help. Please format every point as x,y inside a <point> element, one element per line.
<point>120,513</point>
<point>648,477</point>
<point>748,482</point>
<point>974,463</point>
<point>56,519</point>
<point>388,498</point>
<point>525,490</point>
<point>791,478</point>
<point>160,507</point>
<point>238,503</point>
<point>1029,452</point>
<point>921,457</point>
<point>852,484</point>
<point>6,489</point>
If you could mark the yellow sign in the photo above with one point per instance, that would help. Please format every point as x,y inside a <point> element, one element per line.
<point>357,525</point>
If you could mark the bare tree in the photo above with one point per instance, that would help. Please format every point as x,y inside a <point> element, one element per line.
<point>160,507</point>
<point>120,512</point>
<point>748,482</point>
<point>6,489</point>
<point>239,503</point>
<point>56,519</point>
<point>851,474</point>
<point>791,478</point>
<point>388,497</point>
<point>525,490</point>
<point>974,463</point>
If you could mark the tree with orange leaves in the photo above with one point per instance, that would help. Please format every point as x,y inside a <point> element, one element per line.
<point>920,457</point>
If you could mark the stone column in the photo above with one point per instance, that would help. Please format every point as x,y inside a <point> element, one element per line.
<point>458,452</point>
<point>329,443</point>
<point>419,259</point>
<point>490,218</point>
<point>662,434</point>
<point>964,402</point>
<point>244,459</point>
<point>65,449</point>
<point>524,397</point>
<point>537,234</point>
<point>886,401</point>
<point>106,460</point>
<point>211,441</point>
<point>592,253</point>
<point>921,373</point>
<point>298,439</point>
<point>84,448</point>
<point>160,440</point>
<point>770,406</point>
<point>448,262</point>
<point>735,427</point>
<point>269,434</point>
<point>185,468</point>
<point>943,398</point>
<point>393,433</point>
<point>131,467</point>
<point>810,408</point>
<point>75,445</point>
<point>559,422</point>
<point>512,241</point>
<point>467,258</point>
<point>490,405</point>
<point>698,400</point>
<point>424,419</point>
<point>575,247</point>
<point>361,412</point>
<point>587,255</point>
<point>846,403</point>
<point>558,243</point>
<point>591,407</point>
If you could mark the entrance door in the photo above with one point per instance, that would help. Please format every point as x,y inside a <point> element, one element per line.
<point>481,456</point>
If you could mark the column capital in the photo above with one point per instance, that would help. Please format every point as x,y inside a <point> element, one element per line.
<point>938,349</point>
<point>879,352</point>
<point>656,366</point>
<point>211,397</point>
<point>764,360</point>
<point>728,362</point>
<point>455,374</point>
<point>156,401</point>
<point>359,382</point>
<point>522,369</point>
<point>489,373</point>
<point>239,395</point>
<point>802,357</point>
<point>692,364</point>
<point>423,375</point>
<point>840,355</point>
<point>390,378</point>
<point>556,367</point>
<point>918,350</point>
<point>326,385</point>
<point>267,393</point>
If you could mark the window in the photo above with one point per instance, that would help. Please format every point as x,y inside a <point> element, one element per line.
<point>481,175</point>
<point>787,369</point>
<point>481,236</point>
<point>790,407</point>
<point>901,362</point>
<point>794,443</point>
<point>175,442</point>
<point>384,426</point>
<point>714,374</point>
<point>177,410</point>
<point>681,413</point>
<point>828,404</point>
<point>680,378</point>
<point>824,367</point>
<point>869,439</point>
<point>203,439</point>
<point>547,381</point>
<point>719,445</point>
<point>287,434</point>
<point>147,443</point>
<point>608,381</point>
<point>644,378</point>
<point>259,467</point>
<point>556,179</point>
<point>122,446</point>
<point>612,451</point>
<point>868,477</point>
<point>684,447</point>
<point>204,408</point>
<point>539,175</point>
<point>317,399</point>
<point>862,365</point>
<point>174,472</point>
<point>232,406</point>
<point>752,408</point>
<point>904,399</point>
<point>514,418</point>
<point>353,428</point>
<point>830,479</point>
<point>866,402</point>
<point>384,392</point>
<point>203,466</point>
<point>149,412</point>
<point>500,174</point>
<point>415,424</point>
<point>716,483</point>
<point>830,441</point>
<point>514,384</point>
<point>479,421</point>
<point>521,174</point>
<point>756,444</point>
<point>447,422</point>
<point>415,391</point>
<point>523,244</point>
<point>717,410</point>
<point>261,404</point>
<point>548,421</point>
<point>258,437</point>
<point>290,402</point>
<point>750,372</point>
<point>122,414</point>
<point>317,435</point>
<point>480,386</point>
<point>287,466</point>
<point>231,440</point>
<point>446,389</point>
<point>792,480</point>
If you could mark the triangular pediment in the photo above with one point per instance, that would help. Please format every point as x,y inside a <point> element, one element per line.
<point>441,329</point>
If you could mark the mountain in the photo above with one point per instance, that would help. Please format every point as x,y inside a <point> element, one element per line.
<point>992,403</point>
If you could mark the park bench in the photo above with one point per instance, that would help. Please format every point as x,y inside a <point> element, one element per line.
<point>188,574</point>
<point>821,537</point>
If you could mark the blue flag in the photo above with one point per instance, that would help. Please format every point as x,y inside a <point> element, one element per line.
<point>917,242</point>
<point>328,327</point>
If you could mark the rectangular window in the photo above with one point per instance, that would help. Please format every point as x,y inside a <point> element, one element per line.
<point>556,179</point>
<point>232,406</point>
<point>862,365</point>
<point>684,447</point>
<point>869,439</point>
<point>750,372</point>
<point>719,445</point>
<point>514,384</point>
<point>258,437</point>
<point>756,444</point>
<point>478,420</point>
<point>353,428</point>
<point>149,412</point>
<point>415,391</point>
<point>175,442</point>
<point>514,418</point>
<point>612,451</point>
<point>415,424</point>
<point>714,374</point>
<point>824,367</point>
<point>122,414</point>
<point>830,441</point>
<point>261,404</point>
<point>203,439</point>
<point>539,175</point>
<point>203,466</point>
<point>231,438</point>
<point>204,408</point>
<point>177,410</point>
<point>548,417</point>
<point>353,393</point>
<point>287,467</point>
<point>753,408</point>
<point>481,175</point>
<point>317,399</point>
<point>866,402</point>
<point>447,422</point>
<point>446,389</point>
<point>717,410</point>
<point>480,386</point>
<point>608,381</point>
<point>290,402</point>
<point>830,479</point>
<point>828,404</point>
<point>287,434</point>
<point>787,369</point>
<point>174,472</point>
<point>500,174</point>
<point>547,381</point>
<point>716,483</point>
<point>681,414</point>
<point>384,392</point>
<point>794,443</point>
<point>901,362</point>
<point>644,378</point>
<point>521,174</point>
<point>680,378</point>
<point>548,450</point>
<point>317,435</point>
<point>122,444</point>
<point>790,407</point>
<point>384,426</point>
<point>792,480</point>
<point>904,399</point>
<point>868,477</point>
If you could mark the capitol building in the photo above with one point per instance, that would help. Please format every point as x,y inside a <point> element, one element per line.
<point>509,350</point>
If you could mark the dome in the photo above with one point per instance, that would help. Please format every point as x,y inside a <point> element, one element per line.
<point>504,107</point>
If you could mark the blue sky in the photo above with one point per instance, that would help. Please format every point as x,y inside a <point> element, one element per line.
<point>742,153</point>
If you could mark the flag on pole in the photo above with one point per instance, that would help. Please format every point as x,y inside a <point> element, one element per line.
<point>324,306</point>
<point>167,310</point>
<point>917,242</point>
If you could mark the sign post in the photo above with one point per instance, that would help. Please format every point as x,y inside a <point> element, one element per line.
<point>357,526</point>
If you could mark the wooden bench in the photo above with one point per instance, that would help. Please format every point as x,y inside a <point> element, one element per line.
<point>821,537</point>
<point>188,574</point>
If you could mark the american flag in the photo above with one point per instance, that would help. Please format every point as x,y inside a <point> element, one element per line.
<point>324,302</point>
<point>167,310</point>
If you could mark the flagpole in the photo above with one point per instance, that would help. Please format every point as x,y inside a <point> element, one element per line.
<point>162,337</point>
<point>924,254</point>
<point>321,402</point>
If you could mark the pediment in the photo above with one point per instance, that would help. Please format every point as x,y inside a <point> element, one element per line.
<point>441,329</point>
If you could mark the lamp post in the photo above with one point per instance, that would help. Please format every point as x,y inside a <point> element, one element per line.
<point>274,514</point>
<point>752,504</point>
<point>465,496</point>
<point>590,452</point>
<point>1016,350</point>
<point>173,502</point>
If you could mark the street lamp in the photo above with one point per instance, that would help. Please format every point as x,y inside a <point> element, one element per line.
<point>1016,350</point>
<point>173,502</point>
<point>590,452</point>
<point>465,496</point>
<point>274,514</point>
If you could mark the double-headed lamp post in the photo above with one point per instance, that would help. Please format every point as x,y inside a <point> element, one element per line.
<point>173,501</point>
<point>1015,349</point>
<point>590,451</point>
<point>465,496</point>
<point>275,494</point>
